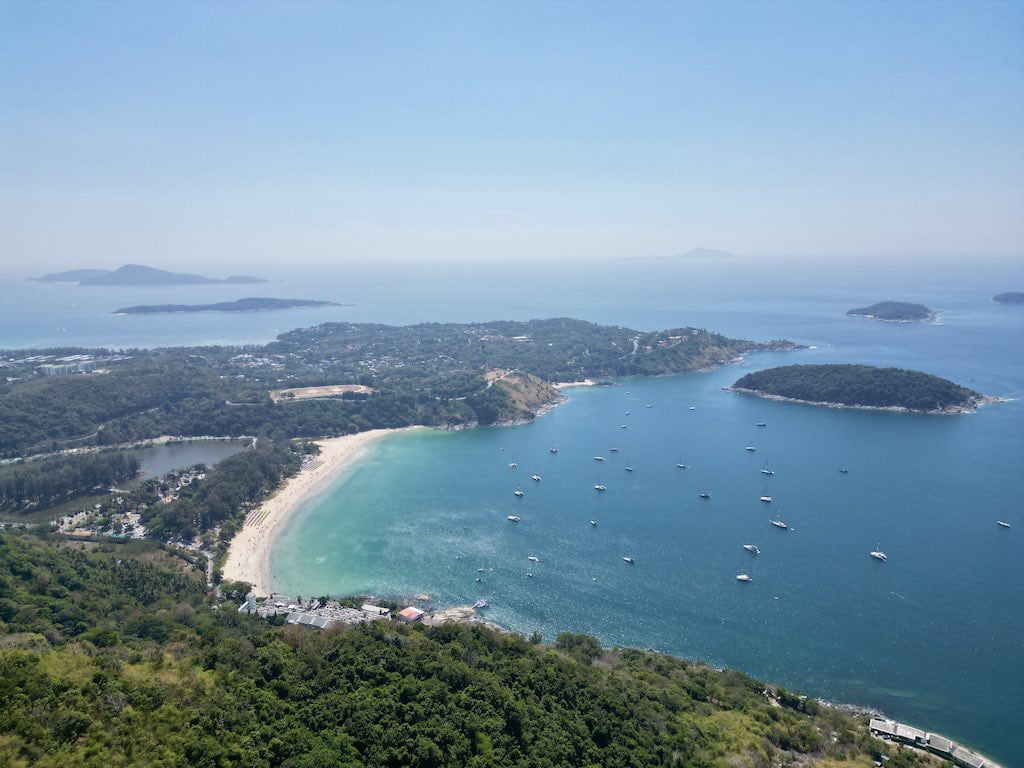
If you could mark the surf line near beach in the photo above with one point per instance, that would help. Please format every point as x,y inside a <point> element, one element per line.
<point>248,557</point>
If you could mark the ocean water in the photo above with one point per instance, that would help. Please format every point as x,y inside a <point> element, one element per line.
<point>933,636</point>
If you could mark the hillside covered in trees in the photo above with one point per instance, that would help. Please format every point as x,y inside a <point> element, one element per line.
<point>111,655</point>
<point>433,374</point>
<point>860,386</point>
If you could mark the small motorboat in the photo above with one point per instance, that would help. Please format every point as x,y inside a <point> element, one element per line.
<point>779,524</point>
<point>593,523</point>
<point>879,555</point>
<point>536,477</point>
<point>752,549</point>
<point>705,495</point>
<point>766,499</point>
<point>518,492</point>
<point>629,560</point>
<point>743,577</point>
<point>1002,523</point>
<point>513,518</point>
<point>600,487</point>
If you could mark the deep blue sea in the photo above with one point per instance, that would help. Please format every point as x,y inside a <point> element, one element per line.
<point>932,636</point>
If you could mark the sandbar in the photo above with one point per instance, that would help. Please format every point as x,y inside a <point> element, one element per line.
<point>249,553</point>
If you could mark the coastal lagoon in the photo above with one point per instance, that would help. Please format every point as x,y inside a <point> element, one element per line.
<point>932,636</point>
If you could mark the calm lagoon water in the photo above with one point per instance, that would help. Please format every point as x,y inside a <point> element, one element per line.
<point>933,636</point>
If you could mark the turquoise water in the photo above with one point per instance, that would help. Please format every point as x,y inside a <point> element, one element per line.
<point>933,636</point>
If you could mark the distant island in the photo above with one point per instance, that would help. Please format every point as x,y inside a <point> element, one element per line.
<point>1010,297</point>
<point>137,274</point>
<point>861,386</point>
<point>251,304</point>
<point>898,311</point>
<point>694,254</point>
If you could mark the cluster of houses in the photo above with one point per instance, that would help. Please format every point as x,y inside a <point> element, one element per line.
<point>321,615</point>
<point>930,742</point>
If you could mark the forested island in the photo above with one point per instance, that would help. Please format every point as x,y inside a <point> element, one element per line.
<point>137,274</point>
<point>861,386</point>
<point>1010,297</point>
<point>251,304</point>
<point>112,654</point>
<point>898,311</point>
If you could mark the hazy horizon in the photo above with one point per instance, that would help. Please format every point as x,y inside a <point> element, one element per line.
<point>236,137</point>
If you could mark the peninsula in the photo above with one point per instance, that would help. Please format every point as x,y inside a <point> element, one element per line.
<point>860,386</point>
<point>138,274</point>
<point>1010,297</point>
<point>896,311</point>
<point>250,304</point>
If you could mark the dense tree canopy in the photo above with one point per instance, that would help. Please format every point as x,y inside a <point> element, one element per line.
<point>860,385</point>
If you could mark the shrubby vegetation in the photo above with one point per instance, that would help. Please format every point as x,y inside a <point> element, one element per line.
<point>860,385</point>
<point>113,658</point>
<point>45,483</point>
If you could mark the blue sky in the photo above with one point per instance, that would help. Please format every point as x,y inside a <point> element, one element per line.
<point>334,132</point>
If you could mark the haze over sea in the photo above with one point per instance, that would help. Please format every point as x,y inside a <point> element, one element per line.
<point>933,636</point>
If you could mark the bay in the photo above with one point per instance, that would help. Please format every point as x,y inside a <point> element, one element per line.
<point>931,636</point>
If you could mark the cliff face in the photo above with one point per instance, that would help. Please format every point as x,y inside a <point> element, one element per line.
<point>528,395</point>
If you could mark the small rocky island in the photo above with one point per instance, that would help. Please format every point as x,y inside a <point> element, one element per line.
<point>896,311</point>
<point>861,386</point>
<point>138,274</point>
<point>251,304</point>
<point>1010,297</point>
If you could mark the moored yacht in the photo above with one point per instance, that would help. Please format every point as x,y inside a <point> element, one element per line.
<point>533,558</point>
<point>536,477</point>
<point>629,469</point>
<point>778,524</point>
<point>761,424</point>
<point>599,458</point>
<point>705,495</point>
<point>600,487</point>
<point>629,560</point>
<point>766,499</point>
<point>593,523</point>
<point>518,492</point>
<point>1003,523</point>
<point>513,518</point>
<point>766,471</point>
<point>613,450</point>
<point>752,549</point>
<point>751,448</point>
<point>879,555</point>
<point>513,465</point>
<point>553,450</point>
<point>743,577</point>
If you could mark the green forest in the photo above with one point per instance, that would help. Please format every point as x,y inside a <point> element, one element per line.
<point>860,385</point>
<point>112,655</point>
<point>45,483</point>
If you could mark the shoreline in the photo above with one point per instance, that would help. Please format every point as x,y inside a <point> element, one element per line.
<point>248,557</point>
<point>958,410</point>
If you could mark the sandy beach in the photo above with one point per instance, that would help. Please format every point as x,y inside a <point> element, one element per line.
<point>249,554</point>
